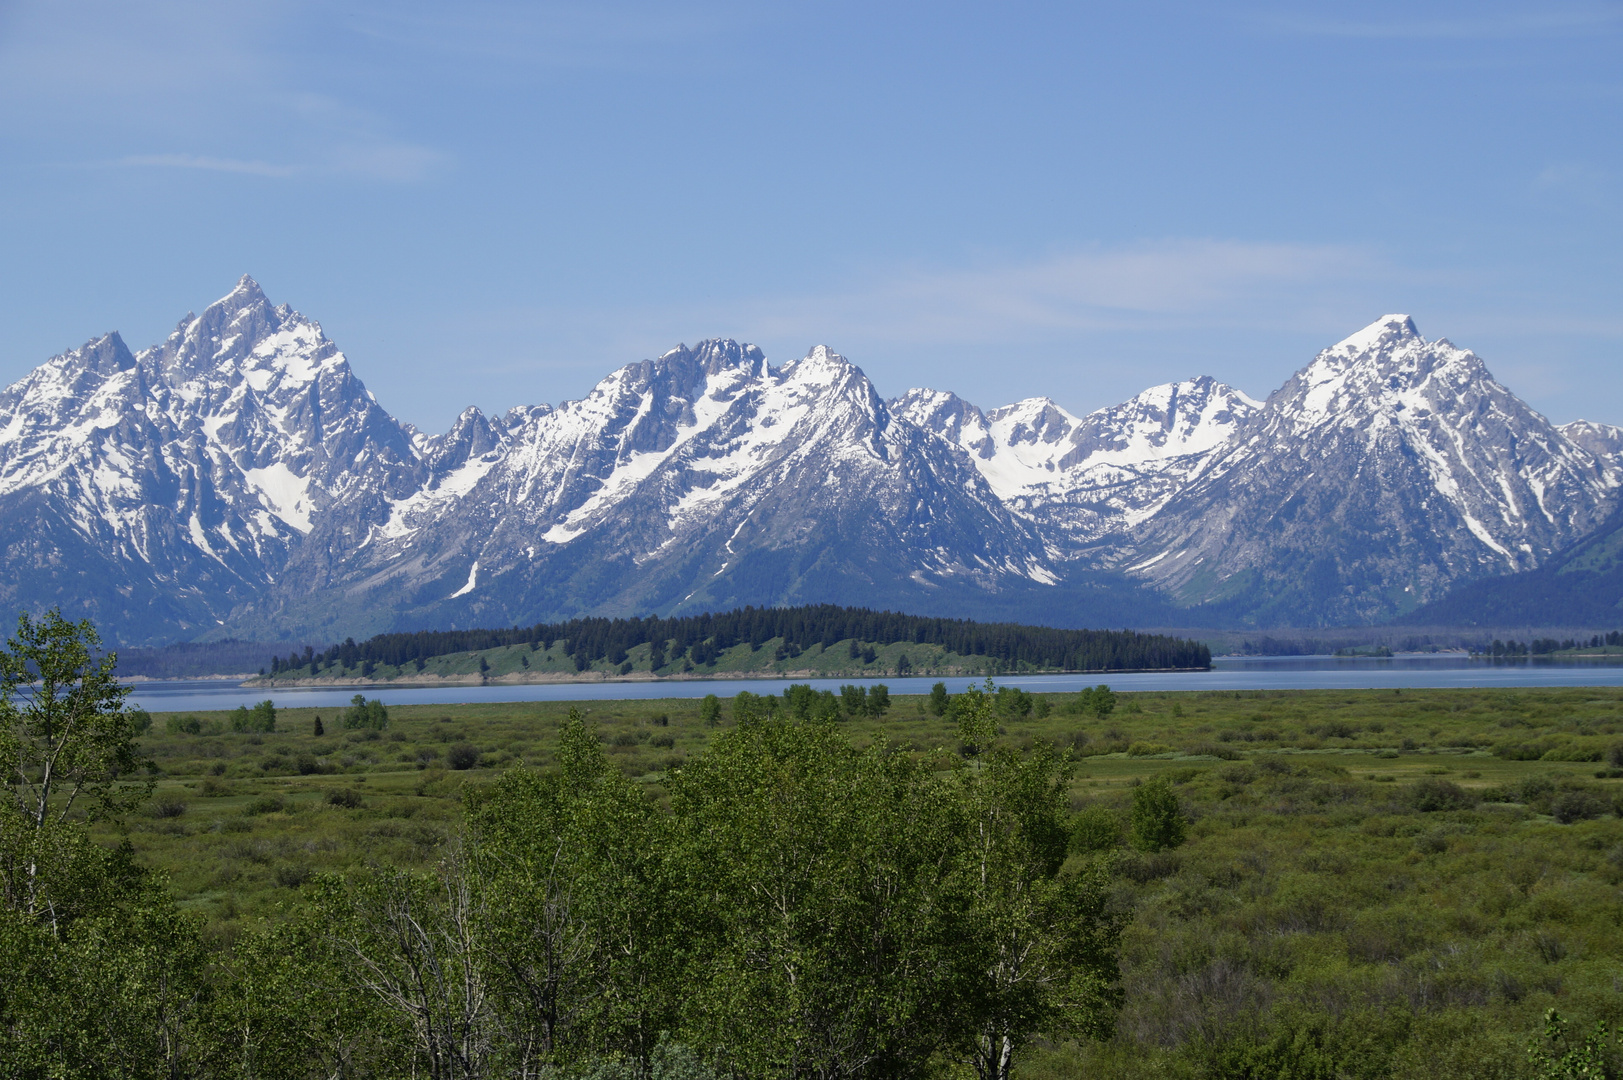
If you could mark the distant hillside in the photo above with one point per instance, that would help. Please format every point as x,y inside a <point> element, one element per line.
<point>195,660</point>
<point>1581,586</point>
<point>797,640</point>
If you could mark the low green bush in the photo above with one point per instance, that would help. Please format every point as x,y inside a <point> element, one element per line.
<point>265,804</point>
<point>182,725</point>
<point>1096,828</point>
<point>1157,821</point>
<point>1572,806</point>
<point>1430,794</point>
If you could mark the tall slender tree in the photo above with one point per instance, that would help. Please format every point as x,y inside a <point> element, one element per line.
<point>67,752</point>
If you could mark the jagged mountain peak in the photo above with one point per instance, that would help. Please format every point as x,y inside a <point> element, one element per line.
<point>1602,440</point>
<point>99,357</point>
<point>1382,335</point>
<point>1171,396</point>
<point>472,435</point>
<point>238,475</point>
<point>822,364</point>
<point>246,293</point>
<point>939,411</point>
<point>1389,345</point>
<point>1384,446</point>
<point>108,354</point>
<point>1082,478</point>
<point>1172,420</point>
<point>1181,403</point>
<point>822,354</point>
<point>712,356</point>
<point>92,384</point>
<point>1041,417</point>
<point>219,340</point>
<point>1385,370</point>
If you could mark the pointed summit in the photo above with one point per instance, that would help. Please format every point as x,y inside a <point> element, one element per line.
<point>108,354</point>
<point>1383,333</point>
<point>822,358</point>
<point>246,293</point>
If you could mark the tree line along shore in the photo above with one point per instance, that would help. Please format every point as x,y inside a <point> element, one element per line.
<point>805,642</point>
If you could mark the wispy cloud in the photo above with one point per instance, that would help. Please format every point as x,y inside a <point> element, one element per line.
<point>566,35</point>
<point>376,160</point>
<point>381,159</point>
<point>209,164</point>
<point>189,85</point>
<point>1205,282</point>
<point>1548,21</point>
<point>1578,182</point>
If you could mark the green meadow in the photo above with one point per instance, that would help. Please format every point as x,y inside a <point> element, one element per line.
<point>1393,883</point>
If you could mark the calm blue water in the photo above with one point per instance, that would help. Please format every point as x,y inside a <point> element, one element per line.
<point>1231,673</point>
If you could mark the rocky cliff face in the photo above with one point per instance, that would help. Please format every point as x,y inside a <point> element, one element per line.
<point>238,478</point>
<point>1602,440</point>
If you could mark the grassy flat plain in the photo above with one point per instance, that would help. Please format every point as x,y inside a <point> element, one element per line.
<point>1403,881</point>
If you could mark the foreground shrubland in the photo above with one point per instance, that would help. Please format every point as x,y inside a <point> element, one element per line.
<point>1304,885</point>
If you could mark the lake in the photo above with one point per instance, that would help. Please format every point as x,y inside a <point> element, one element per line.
<point>1438,670</point>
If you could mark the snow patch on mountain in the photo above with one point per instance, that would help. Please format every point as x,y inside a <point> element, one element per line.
<point>1093,475</point>
<point>286,494</point>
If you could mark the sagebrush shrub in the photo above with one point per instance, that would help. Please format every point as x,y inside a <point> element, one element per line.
<point>1096,828</point>
<point>1157,819</point>
<point>1432,793</point>
<point>1573,806</point>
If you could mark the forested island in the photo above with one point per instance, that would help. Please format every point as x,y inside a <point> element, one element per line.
<point>817,641</point>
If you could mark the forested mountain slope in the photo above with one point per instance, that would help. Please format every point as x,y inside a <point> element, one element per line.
<point>1582,586</point>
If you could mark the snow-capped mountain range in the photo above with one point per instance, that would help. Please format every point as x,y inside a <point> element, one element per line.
<point>238,479</point>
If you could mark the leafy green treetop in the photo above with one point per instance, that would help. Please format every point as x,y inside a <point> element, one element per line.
<point>261,718</point>
<point>365,714</point>
<point>803,703</point>
<point>976,710</point>
<point>1157,821</point>
<point>1553,1056</point>
<point>64,731</point>
<point>67,754</point>
<point>1097,701</point>
<point>1043,943</point>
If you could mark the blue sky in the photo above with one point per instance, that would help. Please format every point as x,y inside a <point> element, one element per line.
<point>493,203</point>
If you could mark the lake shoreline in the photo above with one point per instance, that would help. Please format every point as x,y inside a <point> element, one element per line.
<point>599,677</point>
